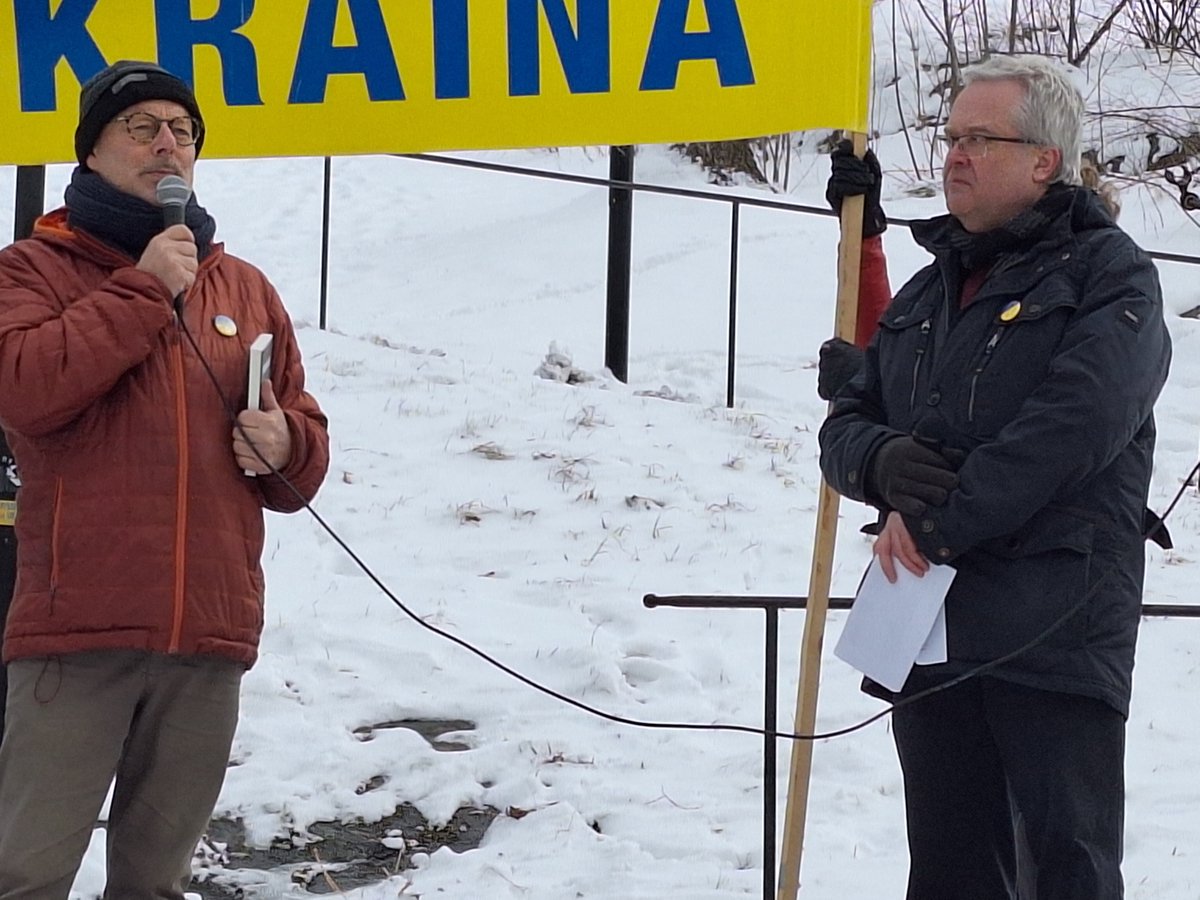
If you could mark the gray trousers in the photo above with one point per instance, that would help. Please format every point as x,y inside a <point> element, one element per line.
<point>162,725</point>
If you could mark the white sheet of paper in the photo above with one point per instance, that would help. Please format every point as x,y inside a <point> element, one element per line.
<point>934,650</point>
<point>889,624</point>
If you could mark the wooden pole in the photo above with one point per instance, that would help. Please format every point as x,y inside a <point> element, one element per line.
<point>849,259</point>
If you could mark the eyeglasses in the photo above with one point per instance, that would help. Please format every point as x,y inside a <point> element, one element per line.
<point>976,145</point>
<point>143,128</point>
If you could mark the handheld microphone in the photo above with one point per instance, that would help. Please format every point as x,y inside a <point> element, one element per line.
<point>173,194</point>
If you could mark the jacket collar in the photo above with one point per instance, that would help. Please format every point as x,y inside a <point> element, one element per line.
<point>54,227</point>
<point>1077,208</point>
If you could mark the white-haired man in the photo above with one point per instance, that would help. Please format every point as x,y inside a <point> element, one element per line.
<point>1002,424</point>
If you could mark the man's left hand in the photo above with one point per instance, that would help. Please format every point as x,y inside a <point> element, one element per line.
<point>267,430</point>
<point>895,545</point>
<point>851,176</point>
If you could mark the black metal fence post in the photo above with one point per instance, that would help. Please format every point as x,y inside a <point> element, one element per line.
<point>324,315</point>
<point>735,226</point>
<point>30,199</point>
<point>620,249</point>
<point>770,747</point>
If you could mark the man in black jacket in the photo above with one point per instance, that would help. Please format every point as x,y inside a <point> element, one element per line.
<point>1003,425</point>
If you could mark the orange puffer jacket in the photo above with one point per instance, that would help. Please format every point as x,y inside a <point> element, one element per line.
<point>136,527</point>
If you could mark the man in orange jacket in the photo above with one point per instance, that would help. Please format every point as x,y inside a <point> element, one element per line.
<point>139,599</point>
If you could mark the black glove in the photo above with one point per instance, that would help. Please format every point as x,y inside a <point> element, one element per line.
<point>852,176</point>
<point>910,477</point>
<point>838,362</point>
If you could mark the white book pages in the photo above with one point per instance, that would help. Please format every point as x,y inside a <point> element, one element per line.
<point>259,371</point>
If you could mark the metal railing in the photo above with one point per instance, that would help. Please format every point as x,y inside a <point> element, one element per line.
<point>771,607</point>
<point>617,319</point>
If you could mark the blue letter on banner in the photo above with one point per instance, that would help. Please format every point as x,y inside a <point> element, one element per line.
<point>318,58</point>
<point>671,44</point>
<point>43,39</point>
<point>178,33</point>
<point>586,57</point>
<point>451,50</point>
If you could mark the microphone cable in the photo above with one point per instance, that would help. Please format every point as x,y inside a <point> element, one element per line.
<point>464,644</point>
<point>651,724</point>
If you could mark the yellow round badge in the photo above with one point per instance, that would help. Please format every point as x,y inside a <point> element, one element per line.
<point>225,325</point>
<point>1011,311</point>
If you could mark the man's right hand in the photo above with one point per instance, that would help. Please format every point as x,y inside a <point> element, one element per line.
<point>171,256</point>
<point>910,477</point>
<point>838,362</point>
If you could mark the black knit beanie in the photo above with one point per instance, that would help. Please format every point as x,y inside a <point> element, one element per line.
<point>116,88</point>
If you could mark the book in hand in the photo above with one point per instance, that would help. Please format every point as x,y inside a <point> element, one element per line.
<point>259,371</point>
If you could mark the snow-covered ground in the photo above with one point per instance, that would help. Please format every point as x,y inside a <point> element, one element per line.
<point>528,517</point>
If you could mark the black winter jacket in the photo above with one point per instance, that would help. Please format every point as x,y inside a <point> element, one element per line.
<point>1046,383</point>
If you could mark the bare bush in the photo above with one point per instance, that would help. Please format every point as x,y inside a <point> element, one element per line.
<point>723,159</point>
<point>1169,26</point>
<point>1125,137</point>
<point>765,160</point>
<point>1114,43</point>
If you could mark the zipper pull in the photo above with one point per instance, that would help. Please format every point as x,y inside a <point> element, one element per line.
<point>987,350</point>
<point>926,327</point>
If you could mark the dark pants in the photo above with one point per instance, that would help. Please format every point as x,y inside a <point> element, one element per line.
<point>997,774</point>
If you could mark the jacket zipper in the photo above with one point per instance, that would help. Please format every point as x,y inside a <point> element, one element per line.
<point>926,327</point>
<point>180,491</point>
<point>54,554</point>
<point>984,360</point>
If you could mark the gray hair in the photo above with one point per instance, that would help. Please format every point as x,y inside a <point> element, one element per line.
<point>1051,113</point>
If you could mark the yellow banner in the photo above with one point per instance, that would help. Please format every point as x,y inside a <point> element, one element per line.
<point>331,77</point>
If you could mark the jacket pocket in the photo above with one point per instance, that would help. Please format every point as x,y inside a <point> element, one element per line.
<point>1012,589</point>
<point>1054,528</point>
